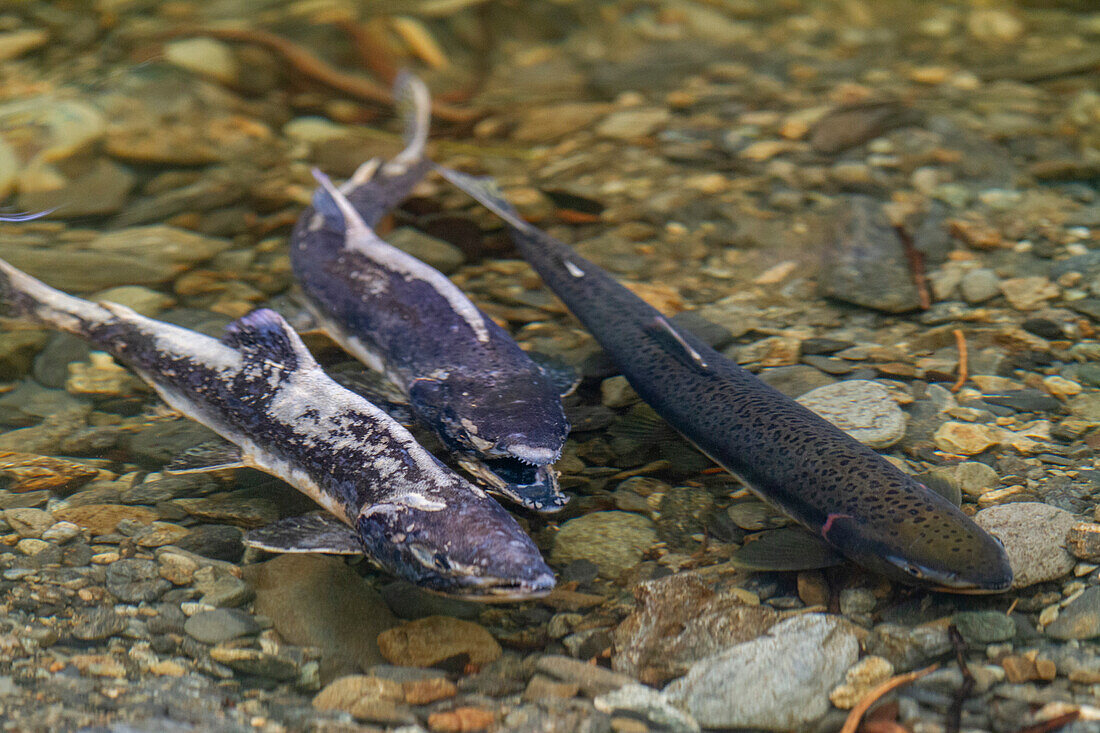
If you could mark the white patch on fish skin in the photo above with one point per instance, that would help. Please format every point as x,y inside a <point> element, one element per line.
<point>316,222</point>
<point>317,410</point>
<point>573,269</point>
<point>362,239</point>
<point>253,455</point>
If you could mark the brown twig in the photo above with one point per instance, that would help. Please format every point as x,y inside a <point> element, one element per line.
<point>371,46</point>
<point>954,712</point>
<point>851,724</point>
<point>964,360</point>
<point>308,65</point>
<point>1049,726</point>
<point>915,258</point>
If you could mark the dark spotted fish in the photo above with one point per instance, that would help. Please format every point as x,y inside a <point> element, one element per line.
<point>259,388</point>
<point>861,505</point>
<point>464,377</point>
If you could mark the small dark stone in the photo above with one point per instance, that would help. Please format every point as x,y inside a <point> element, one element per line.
<point>985,627</point>
<point>582,571</point>
<point>136,581</point>
<point>216,541</point>
<point>821,346</point>
<point>1087,307</point>
<point>408,601</point>
<point>1025,400</point>
<point>1044,328</point>
<point>683,512</point>
<point>712,334</point>
<point>51,366</point>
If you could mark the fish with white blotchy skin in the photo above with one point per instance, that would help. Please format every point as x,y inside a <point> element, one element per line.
<point>259,388</point>
<point>844,492</point>
<point>495,409</point>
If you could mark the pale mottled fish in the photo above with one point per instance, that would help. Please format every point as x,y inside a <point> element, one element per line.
<point>259,388</point>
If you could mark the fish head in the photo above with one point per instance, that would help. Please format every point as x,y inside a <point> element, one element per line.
<point>511,426</point>
<point>922,539</point>
<point>470,549</point>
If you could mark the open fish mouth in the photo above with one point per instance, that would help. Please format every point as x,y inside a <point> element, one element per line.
<point>530,485</point>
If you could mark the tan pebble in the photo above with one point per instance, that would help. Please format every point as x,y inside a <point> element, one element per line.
<point>1048,615</point>
<point>176,569</point>
<point>991,25</point>
<point>422,692</point>
<point>776,274</point>
<point>765,150</point>
<point>168,668</point>
<point>1001,496</point>
<point>709,183</point>
<point>430,640</point>
<point>1061,387</point>
<point>1028,293</point>
<point>105,558</point>
<point>628,725</point>
<point>342,693</point>
<point>1019,669</point>
<point>98,665</point>
<point>461,720</point>
<point>1046,669</point>
<point>542,687</point>
<point>812,588</point>
<point>30,546</point>
<point>963,438</point>
<point>104,518</point>
<point>977,235</point>
<point>930,74</point>
<point>860,678</point>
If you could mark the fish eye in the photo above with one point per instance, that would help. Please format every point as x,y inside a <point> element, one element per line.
<point>913,570</point>
<point>441,562</point>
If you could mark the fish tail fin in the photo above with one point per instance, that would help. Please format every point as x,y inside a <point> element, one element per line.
<point>23,298</point>
<point>332,204</point>
<point>485,191</point>
<point>414,105</point>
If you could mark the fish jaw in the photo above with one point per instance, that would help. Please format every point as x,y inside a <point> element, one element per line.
<point>962,559</point>
<point>530,486</point>
<point>469,548</point>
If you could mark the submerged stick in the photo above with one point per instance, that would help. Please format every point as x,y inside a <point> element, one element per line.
<point>851,725</point>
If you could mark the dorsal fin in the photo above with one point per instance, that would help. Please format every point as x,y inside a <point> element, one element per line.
<point>675,345</point>
<point>263,334</point>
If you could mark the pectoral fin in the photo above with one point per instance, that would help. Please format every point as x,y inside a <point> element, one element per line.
<point>212,455</point>
<point>564,377</point>
<point>317,533</point>
<point>788,548</point>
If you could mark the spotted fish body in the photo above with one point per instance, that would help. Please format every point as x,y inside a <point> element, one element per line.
<point>859,503</point>
<point>463,375</point>
<point>260,389</point>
